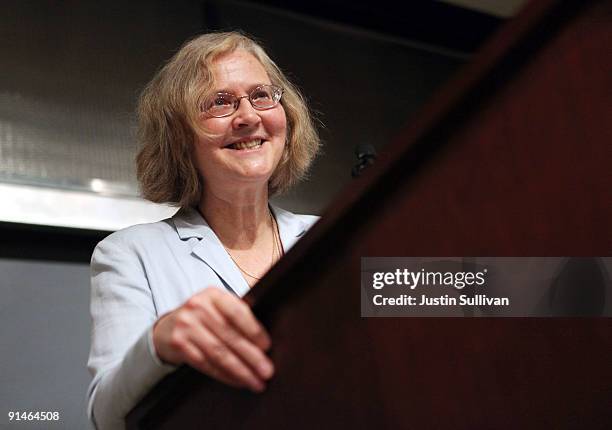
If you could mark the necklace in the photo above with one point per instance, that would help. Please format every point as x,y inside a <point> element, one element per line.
<point>277,247</point>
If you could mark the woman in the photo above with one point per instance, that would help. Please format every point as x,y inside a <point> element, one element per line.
<point>221,130</point>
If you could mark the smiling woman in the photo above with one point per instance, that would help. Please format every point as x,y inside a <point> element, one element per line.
<point>221,130</point>
<point>170,114</point>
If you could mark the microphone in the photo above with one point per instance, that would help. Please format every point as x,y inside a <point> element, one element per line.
<point>366,155</point>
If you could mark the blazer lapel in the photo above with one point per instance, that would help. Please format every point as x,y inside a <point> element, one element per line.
<point>211,251</point>
<point>189,223</point>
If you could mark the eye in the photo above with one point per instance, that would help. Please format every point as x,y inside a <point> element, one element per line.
<point>220,104</point>
<point>220,100</point>
<point>261,94</point>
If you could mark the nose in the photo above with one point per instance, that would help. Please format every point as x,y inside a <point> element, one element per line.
<point>245,115</point>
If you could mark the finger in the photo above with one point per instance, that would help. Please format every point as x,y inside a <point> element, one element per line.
<point>247,351</point>
<point>187,346</point>
<point>219,374</point>
<point>238,313</point>
<point>219,356</point>
<point>196,359</point>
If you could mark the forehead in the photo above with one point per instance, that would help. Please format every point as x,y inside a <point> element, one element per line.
<point>238,70</point>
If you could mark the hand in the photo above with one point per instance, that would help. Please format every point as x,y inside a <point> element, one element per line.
<point>216,333</point>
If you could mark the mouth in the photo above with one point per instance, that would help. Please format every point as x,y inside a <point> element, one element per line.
<point>246,144</point>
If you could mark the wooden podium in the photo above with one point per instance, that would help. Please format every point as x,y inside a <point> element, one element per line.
<point>512,158</point>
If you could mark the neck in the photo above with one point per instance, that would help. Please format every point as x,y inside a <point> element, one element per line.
<point>239,218</point>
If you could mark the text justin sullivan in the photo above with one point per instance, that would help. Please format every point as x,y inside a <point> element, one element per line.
<point>445,300</point>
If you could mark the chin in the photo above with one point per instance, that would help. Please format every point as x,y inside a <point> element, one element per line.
<point>258,172</point>
<point>253,176</point>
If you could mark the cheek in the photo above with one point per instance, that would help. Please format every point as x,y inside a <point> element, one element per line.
<point>217,129</point>
<point>278,122</point>
<point>204,148</point>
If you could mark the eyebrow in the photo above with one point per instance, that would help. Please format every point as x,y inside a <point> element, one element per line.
<point>249,90</point>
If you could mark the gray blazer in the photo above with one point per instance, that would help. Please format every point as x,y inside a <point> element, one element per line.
<point>137,275</point>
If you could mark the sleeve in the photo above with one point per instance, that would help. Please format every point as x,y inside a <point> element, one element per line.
<point>122,357</point>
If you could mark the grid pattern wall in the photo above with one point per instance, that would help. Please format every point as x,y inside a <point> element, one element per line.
<point>70,76</point>
<point>50,144</point>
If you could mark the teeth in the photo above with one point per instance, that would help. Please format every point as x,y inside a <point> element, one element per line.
<point>248,145</point>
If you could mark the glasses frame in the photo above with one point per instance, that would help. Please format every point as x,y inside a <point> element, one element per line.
<point>276,90</point>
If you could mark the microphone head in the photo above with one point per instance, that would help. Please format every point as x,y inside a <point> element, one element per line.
<point>365,150</point>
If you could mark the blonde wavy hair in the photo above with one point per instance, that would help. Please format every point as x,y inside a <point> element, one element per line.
<point>169,122</point>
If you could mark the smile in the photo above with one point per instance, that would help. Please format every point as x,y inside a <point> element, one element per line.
<point>251,144</point>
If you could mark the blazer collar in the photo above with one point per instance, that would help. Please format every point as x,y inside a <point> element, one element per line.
<point>190,224</point>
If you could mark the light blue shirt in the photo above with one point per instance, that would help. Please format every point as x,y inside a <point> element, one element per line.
<point>139,274</point>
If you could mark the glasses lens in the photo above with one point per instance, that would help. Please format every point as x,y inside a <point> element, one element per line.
<point>265,96</point>
<point>220,104</point>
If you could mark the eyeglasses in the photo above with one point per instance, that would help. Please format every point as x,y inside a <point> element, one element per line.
<point>224,104</point>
